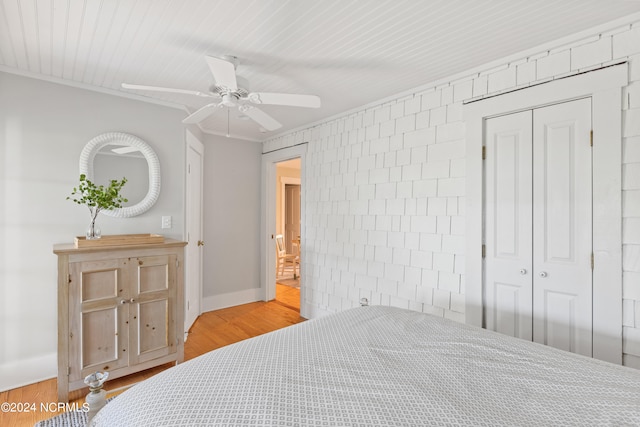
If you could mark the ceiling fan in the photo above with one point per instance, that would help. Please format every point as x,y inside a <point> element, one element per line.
<point>232,91</point>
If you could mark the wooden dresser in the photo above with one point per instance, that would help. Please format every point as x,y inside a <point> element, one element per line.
<point>120,309</point>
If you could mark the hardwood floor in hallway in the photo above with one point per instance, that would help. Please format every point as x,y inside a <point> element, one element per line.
<point>288,296</point>
<point>218,328</point>
<point>212,330</point>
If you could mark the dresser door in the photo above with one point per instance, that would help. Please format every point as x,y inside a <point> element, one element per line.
<point>152,309</point>
<point>98,315</point>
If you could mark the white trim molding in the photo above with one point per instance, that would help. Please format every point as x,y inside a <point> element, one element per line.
<point>231,299</point>
<point>28,371</point>
<point>604,87</point>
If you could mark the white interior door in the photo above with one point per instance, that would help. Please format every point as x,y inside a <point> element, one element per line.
<point>508,227</point>
<point>562,244</point>
<point>194,226</point>
<point>538,226</point>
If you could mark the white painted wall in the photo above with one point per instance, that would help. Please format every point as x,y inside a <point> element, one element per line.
<point>232,177</point>
<point>385,185</point>
<point>43,128</point>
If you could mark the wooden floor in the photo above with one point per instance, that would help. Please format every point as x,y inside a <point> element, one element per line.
<point>212,330</point>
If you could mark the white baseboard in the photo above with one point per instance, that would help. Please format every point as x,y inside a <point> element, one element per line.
<point>216,302</point>
<point>309,311</point>
<point>28,371</point>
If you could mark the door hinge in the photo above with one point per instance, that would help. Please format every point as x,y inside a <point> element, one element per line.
<point>484,251</point>
<point>484,152</point>
<point>591,138</point>
<point>593,261</point>
<point>69,278</point>
<point>69,370</point>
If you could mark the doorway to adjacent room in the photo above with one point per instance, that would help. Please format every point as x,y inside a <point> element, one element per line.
<point>287,241</point>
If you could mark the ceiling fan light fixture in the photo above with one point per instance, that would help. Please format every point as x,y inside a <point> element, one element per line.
<point>228,100</point>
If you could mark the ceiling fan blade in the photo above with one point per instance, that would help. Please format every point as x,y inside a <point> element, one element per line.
<point>294,100</point>
<point>166,90</point>
<point>224,72</point>
<point>201,114</point>
<point>260,117</point>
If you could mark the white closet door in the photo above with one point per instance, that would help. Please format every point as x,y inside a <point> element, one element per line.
<point>562,218</point>
<point>508,226</point>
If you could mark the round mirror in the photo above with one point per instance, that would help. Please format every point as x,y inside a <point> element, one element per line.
<point>117,161</point>
<point>115,155</point>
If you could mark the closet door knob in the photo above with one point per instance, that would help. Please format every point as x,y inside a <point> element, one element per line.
<point>543,274</point>
<point>523,271</point>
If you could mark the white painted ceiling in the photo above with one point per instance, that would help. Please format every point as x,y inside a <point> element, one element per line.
<point>349,52</point>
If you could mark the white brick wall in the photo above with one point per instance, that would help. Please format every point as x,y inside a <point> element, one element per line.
<point>385,186</point>
<point>552,65</point>
<point>627,43</point>
<point>592,53</point>
<point>502,79</point>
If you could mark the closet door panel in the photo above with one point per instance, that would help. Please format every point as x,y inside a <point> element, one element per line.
<point>562,218</point>
<point>508,225</point>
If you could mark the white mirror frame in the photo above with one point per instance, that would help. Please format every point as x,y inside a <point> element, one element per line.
<point>92,148</point>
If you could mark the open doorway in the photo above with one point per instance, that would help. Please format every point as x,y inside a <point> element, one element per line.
<point>287,241</point>
<point>269,223</point>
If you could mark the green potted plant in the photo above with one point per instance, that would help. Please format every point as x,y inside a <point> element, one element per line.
<point>97,198</point>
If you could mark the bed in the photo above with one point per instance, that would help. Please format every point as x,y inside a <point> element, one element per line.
<point>382,366</point>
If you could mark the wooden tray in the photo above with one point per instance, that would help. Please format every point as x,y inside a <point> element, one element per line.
<point>118,240</point>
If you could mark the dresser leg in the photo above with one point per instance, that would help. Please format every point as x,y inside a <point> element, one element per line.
<point>63,388</point>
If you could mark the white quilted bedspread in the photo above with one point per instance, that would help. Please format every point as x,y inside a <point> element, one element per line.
<point>382,366</point>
